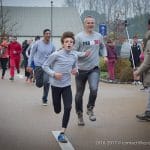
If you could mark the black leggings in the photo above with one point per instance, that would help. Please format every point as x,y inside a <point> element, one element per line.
<point>3,62</point>
<point>66,94</point>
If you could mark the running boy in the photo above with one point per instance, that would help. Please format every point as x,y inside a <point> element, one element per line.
<point>59,66</point>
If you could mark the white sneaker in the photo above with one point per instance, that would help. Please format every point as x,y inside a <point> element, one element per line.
<point>139,83</point>
<point>45,104</point>
<point>134,83</point>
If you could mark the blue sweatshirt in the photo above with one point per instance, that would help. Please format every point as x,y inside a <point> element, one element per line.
<point>40,52</point>
<point>61,62</point>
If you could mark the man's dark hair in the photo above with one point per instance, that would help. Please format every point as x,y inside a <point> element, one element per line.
<point>45,30</point>
<point>67,34</point>
<point>37,38</point>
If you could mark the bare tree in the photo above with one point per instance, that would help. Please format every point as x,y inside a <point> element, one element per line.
<point>6,26</point>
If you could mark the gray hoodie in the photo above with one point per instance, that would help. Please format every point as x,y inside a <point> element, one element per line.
<point>61,61</point>
<point>40,52</point>
<point>93,43</point>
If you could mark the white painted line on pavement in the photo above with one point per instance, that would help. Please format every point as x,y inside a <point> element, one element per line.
<point>63,146</point>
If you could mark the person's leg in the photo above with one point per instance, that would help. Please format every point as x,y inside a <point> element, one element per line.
<point>112,70</point>
<point>12,68</point>
<point>67,100</point>
<point>146,114</point>
<point>109,69</point>
<point>45,87</point>
<point>56,98</point>
<point>93,80</point>
<point>148,104</point>
<point>4,66</point>
<point>17,64</point>
<point>81,80</point>
<point>1,66</point>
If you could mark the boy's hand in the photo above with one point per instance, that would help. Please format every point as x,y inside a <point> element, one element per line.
<point>74,71</point>
<point>58,76</point>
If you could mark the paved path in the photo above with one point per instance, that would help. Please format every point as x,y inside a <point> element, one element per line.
<point>27,125</point>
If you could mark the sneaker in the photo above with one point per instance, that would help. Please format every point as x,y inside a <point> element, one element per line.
<point>139,82</point>
<point>62,138</point>
<point>134,83</point>
<point>142,89</point>
<point>44,104</point>
<point>80,119</point>
<point>2,77</point>
<point>110,81</point>
<point>11,78</point>
<point>145,116</point>
<point>90,112</point>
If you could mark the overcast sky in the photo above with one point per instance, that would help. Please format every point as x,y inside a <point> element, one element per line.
<point>45,3</point>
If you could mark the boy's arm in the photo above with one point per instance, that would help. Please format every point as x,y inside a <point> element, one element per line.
<point>46,66</point>
<point>74,70</point>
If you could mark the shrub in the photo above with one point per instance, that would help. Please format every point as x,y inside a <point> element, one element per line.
<point>123,71</point>
<point>103,65</point>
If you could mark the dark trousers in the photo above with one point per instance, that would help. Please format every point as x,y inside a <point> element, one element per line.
<point>4,62</point>
<point>92,76</point>
<point>66,94</point>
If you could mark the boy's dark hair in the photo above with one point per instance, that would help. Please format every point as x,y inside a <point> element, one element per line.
<point>45,30</point>
<point>67,34</point>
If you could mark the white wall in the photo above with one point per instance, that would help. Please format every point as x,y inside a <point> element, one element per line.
<point>55,41</point>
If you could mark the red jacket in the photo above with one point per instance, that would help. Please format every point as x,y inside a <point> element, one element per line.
<point>14,50</point>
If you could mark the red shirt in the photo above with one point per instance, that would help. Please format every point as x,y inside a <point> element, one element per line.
<point>14,50</point>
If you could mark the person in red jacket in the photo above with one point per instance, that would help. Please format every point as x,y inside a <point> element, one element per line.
<point>112,59</point>
<point>14,51</point>
<point>3,57</point>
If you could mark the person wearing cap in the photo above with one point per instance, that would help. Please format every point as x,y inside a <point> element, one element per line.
<point>14,51</point>
<point>4,57</point>
<point>145,69</point>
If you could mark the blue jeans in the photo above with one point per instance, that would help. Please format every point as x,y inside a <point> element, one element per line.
<point>45,87</point>
<point>92,76</point>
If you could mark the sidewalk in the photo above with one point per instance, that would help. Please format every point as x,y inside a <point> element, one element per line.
<point>27,125</point>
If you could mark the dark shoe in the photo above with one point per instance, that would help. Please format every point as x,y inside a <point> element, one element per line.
<point>90,112</point>
<point>62,138</point>
<point>11,78</point>
<point>145,116</point>
<point>80,119</point>
<point>2,77</point>
<point>18,71</point>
